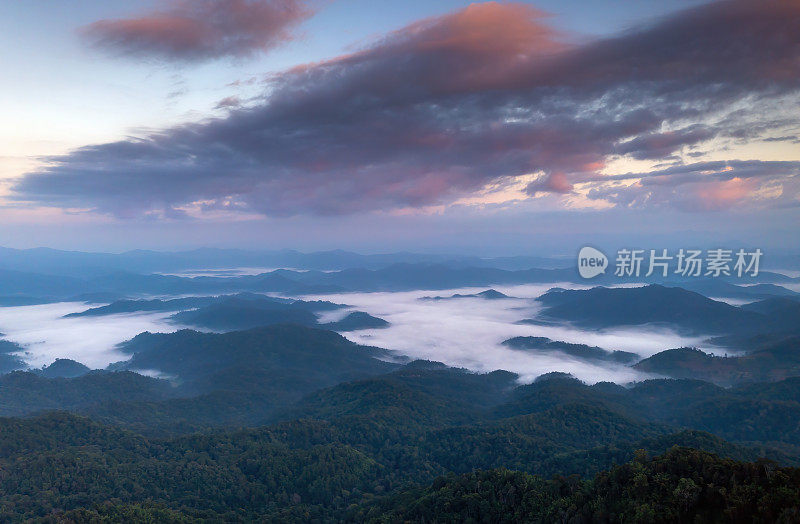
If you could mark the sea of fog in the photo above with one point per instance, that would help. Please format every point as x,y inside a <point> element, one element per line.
<point>464,332</point>
<point>46,335</point>
<point>468,332</point>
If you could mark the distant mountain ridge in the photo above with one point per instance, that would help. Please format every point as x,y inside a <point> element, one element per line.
<point>39,288</point>
<point>83,264</point>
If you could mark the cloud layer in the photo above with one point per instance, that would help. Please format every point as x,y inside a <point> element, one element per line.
<point>469,333</point>
<point>443,107</point>
<point>46,335</point>
<point>193,30</point>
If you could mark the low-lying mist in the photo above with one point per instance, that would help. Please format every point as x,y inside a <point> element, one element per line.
<point>45,335</point>
<point>462,332</point>
<point>467,332</point>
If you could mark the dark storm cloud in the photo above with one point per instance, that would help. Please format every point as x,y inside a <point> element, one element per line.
<point>660,145</point>
<point>445,106</point>
<point>191,30</point>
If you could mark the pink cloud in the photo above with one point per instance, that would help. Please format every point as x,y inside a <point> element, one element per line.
<point>451,104</point>
<point>551,183</point>
<point>190,30</point>
<point>722,194</point>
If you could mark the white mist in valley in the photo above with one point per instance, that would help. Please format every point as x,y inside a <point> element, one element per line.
<point>45,335</point>
<point>467,332</point>
<point>463,332</point>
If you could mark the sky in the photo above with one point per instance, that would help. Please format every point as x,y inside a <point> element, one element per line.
<point>491,128</point>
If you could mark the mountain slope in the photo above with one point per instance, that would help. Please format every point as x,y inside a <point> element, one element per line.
<point>654,304</point>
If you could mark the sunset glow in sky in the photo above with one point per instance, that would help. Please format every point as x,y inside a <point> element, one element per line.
<point>491,127</point>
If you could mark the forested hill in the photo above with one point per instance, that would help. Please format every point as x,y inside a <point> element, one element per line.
<point>292,423</point>
<point>63,468</point>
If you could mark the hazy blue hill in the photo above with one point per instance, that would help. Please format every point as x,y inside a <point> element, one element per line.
<point>237,314</point>
<point>39,285</point>
<point>775,360</point>
<point>768,290</point>
<point>77,263</point>
<point>582,351</point>
<point>422,276</point>
<point>247,311</point>
<point>126,281</point>
<point>22,300</point>
<point>131,283</point>
<point>254,300</point>
<point>310,357</point>
<point>64,368</point>
<point>82,264</point>
<point>132,306</point>
<point>281,284</point>
<point>783,314</point>
<point>489,294</point>
<point>9,362</point>
<point>722,288</point>
<point>356,320</point>
<point>654,304</point>
<point>411,276</point>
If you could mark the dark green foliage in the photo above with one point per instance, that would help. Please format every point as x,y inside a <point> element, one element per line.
<point>763,414</point>
<point>64,463</point>
<point>23,392</point>
<point>499,495</point>
<point>683,485</point>
<point>358,447</point>
<point>303,469</point>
